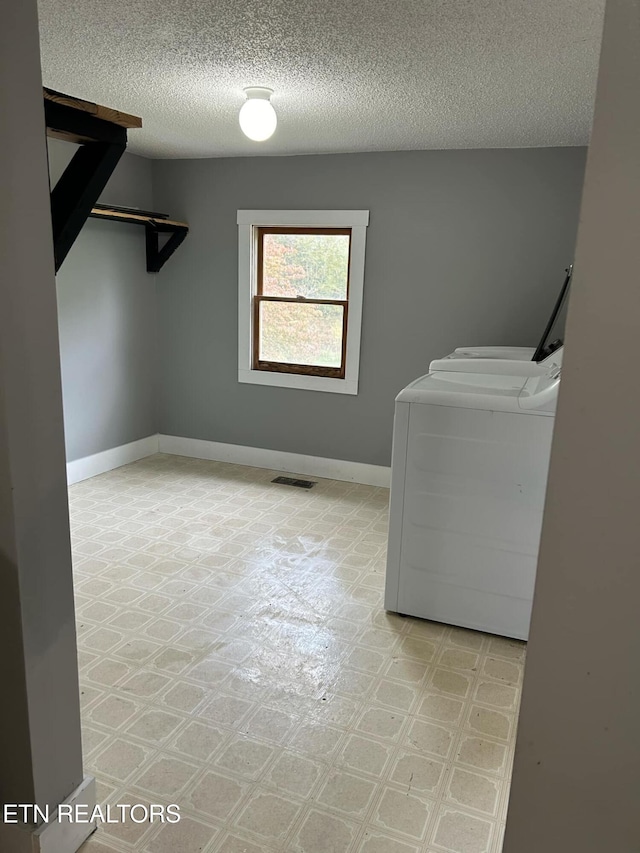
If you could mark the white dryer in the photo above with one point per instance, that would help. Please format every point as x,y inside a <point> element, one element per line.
<point>471,450</point>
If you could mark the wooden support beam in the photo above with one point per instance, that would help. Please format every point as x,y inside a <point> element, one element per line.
<point>76,192</point>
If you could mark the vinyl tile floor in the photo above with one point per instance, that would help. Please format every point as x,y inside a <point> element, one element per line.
<point>236,660</point>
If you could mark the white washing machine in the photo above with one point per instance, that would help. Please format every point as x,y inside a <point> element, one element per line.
<point>471,450</point>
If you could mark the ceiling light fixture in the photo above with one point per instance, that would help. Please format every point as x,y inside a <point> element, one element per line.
<point>258,118</point>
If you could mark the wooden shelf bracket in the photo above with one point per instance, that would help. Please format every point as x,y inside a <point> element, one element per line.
<point>102,135</point>
<point>158,256</point>
<point>154,224</point>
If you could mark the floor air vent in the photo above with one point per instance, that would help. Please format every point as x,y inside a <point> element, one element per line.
<point>290,481</point>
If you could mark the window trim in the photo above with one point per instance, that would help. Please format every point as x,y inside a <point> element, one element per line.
<point>248,223</point>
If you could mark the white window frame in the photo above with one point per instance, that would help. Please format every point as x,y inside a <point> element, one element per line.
<point>248,223</point>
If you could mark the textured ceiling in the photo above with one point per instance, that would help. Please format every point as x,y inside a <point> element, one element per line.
<point>348,75</point>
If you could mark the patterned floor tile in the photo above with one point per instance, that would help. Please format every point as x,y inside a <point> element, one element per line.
<point>236,659</point>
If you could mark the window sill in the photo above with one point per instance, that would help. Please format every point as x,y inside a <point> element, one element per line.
<point>301,382</point>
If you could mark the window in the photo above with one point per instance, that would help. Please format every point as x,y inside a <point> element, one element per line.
<point>300,285</point>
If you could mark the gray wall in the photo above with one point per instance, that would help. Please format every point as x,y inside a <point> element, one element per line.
<point>576,777</point>
<point>40,747</point>
<point>107,319</point>
<point>463,248</point>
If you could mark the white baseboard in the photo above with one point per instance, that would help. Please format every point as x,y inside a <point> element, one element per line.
<point>257,457</point>
<point>276,460</point>
<point>63,836</point>
<point>99,463</point>
<point>54,836</point>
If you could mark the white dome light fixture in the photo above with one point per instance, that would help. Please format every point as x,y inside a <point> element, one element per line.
<point>258,118</point>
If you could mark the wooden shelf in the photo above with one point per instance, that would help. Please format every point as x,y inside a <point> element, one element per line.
<point>154,225</point>
<point>160,222</point>
<point>97,111</point>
